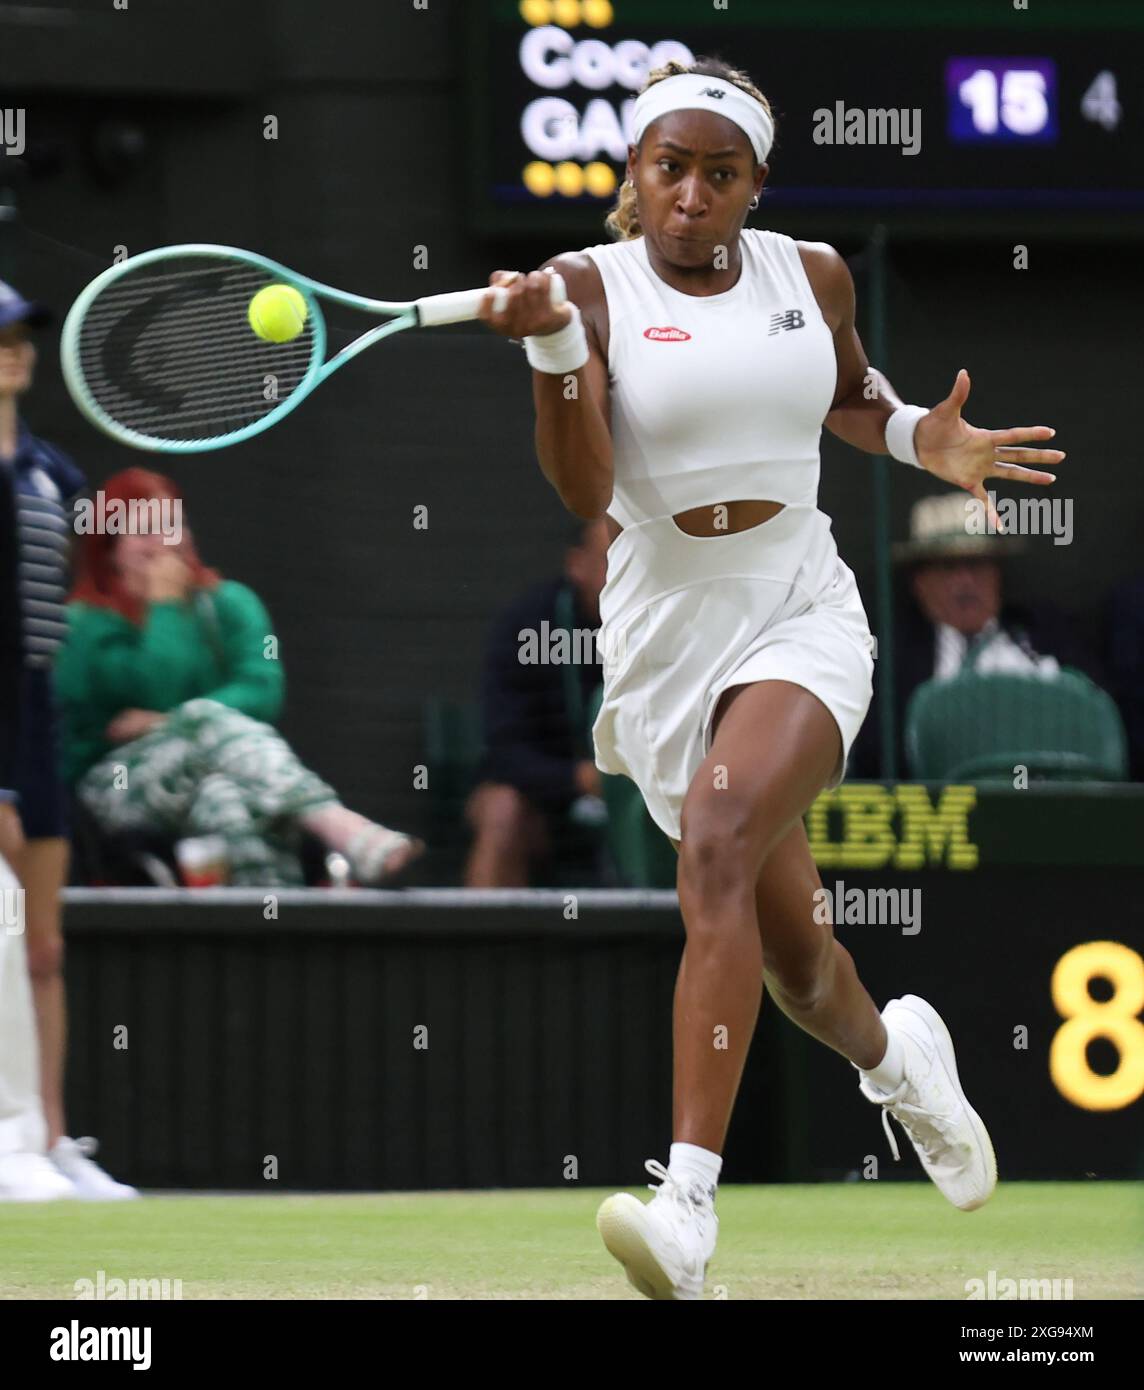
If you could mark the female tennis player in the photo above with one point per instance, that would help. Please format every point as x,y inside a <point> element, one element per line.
<point>683,390</point>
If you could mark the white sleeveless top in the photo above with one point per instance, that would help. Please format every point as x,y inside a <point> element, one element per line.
<point>716,398</point>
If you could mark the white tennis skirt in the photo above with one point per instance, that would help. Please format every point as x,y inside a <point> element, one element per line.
<point>684,618</point>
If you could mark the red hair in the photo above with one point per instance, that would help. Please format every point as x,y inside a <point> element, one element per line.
<point>97,580</point>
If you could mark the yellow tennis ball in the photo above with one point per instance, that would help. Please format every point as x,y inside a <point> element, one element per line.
<point>277,313</point>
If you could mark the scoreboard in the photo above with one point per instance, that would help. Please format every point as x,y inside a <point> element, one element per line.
<point>935,108</point>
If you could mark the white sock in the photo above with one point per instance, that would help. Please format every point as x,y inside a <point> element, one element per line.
<point>891,1070</point>
<point>688,1164</point>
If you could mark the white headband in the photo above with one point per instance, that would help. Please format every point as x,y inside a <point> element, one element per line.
<point>689,91</point>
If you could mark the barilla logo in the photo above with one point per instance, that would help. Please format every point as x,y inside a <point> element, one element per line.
<point>666,335</point>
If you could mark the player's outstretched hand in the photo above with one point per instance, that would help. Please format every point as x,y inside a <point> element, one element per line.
<point>521,305</point>
<point>951,448</point>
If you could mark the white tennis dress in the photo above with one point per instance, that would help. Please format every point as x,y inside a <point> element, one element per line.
<point>713,400</point>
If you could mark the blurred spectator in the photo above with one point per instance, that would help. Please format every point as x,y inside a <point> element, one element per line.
<point>170,682</point>
<point>26,1174</point>
<point>1125,647</point>
<point>955,619</point>
<point>538,762</point>
<point>40,486</point>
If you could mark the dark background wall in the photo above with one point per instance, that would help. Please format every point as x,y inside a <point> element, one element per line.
<point>544,1036</point>
<point>373,615</point>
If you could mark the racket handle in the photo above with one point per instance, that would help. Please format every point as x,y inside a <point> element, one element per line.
<point>465,305</point>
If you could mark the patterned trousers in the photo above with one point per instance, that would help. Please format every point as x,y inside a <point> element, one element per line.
<point>210,770</point>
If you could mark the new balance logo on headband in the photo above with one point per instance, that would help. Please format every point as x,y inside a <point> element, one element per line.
<point>713,92</point>
<point>792,318</point>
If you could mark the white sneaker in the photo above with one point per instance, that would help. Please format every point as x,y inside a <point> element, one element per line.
<point>29,1177</point>
<point>931,1107</point>
<point>72,1157</point>
<point>664,1245</point>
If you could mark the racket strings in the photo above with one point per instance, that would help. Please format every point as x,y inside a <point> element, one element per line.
<point>168,352</point>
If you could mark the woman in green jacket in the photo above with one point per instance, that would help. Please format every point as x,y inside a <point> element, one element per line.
<point>170,683</point>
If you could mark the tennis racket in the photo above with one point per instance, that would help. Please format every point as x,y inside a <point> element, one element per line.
<point>159,353</point>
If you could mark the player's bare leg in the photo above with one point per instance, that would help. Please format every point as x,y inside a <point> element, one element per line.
<point>41,866</point>
<point>810,975</point>
<point>909,1068</point>
<point>742,802</point>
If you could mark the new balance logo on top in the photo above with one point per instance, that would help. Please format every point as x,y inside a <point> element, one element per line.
<point>791,318</point>
<point>667,335</point>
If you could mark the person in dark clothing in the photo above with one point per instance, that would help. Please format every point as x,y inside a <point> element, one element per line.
<point>42,485</point>
<point>11,653</point>
<point>951,616</point>
<point>541,672</point>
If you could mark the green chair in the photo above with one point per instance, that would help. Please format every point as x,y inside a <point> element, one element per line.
<point>979,726</point>
<point>454,744</point>
<point>641,852</point>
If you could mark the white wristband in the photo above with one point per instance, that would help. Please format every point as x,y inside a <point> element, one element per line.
<point>561,352</point>
<point>900,433</point>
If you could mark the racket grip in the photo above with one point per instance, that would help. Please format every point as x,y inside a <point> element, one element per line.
<point>464,305</point>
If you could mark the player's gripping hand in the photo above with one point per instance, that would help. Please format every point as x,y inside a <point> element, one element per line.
<point>521,305</point>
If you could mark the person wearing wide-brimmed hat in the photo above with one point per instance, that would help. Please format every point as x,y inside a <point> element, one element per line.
<point>953,571</point>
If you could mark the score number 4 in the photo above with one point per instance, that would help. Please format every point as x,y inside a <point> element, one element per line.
<point>1086,1018</point>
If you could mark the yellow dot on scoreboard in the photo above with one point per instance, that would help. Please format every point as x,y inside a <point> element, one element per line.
<point>597,13</point>
<point>599,179</point>
<point>569,179</point>
<point>535,11</point>
<point>539,179</point>
<point>566,13</point>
